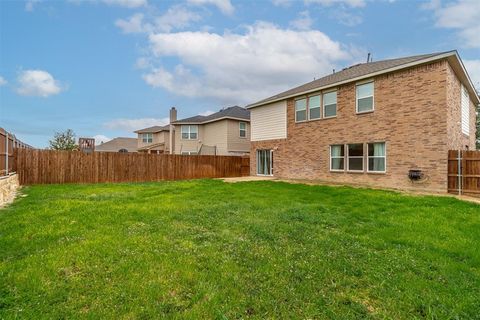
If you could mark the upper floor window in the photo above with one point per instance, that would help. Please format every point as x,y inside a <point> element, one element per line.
<point>243,129</point>
<point>330,104</point>
<point>301,109</point>
<point>189,132</point>
<point>314,107</point>
<point>147,137</point>
<point>365,102</point>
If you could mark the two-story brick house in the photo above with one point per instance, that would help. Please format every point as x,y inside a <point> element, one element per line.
<point>369,124</point>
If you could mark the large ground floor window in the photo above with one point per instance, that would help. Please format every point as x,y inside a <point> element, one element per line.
<point>265,162</point>
<point>355,157</point>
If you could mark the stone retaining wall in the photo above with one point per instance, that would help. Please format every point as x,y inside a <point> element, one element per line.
<point>8,187</point>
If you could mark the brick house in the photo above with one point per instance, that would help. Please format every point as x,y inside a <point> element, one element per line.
<point>370,124</point>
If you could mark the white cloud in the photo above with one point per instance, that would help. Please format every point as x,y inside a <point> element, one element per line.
<point>133,25</point>
<point>30,5</point>
<point>461,15</point>
<point>473,69</point>
<point>176,17</point>
<point>346,18</point>
<point>126,3</point>
<point>242,67</point>
<point>303,22</point>
<point>282,3</point>
<point>100,138</point>
<point>225,6</point>
<point>118,3</point>
<point>142,63</point>
<point>135,124</point>
<point>328,3</point>
<point>37,83</point>
<point>206,113</point>
<point>2,81</point>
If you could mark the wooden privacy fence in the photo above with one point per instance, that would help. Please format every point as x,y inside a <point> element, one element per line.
<point>464,172</point>
<point>8,143</point>
<point>48,166</point>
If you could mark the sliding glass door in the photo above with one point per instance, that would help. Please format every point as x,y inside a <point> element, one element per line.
<point>265,162</point>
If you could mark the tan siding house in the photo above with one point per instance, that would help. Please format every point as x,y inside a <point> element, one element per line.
<point>154,139</point>
<point>226,132</point>
<point>370,124</point>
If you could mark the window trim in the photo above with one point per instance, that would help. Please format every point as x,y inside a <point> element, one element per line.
<point>316,94</point>
<point>147,134</point>
<point>306,108</point>
<point>240,130</point>
<point>464,113</point>
<point>360,83</point>
<point>189,131</point>
<point>344,156</point>
<point>270,151</point>
<point>189,153</point>
<point>323,103</point>
<point>385,157</point>
<point>356,157</point>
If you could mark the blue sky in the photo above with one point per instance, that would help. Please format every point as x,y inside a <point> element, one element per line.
<point>107,67</point>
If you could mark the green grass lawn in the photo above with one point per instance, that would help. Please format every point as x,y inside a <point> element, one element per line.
<point>206,249</point>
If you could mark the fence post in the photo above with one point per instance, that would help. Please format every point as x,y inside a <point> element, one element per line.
<point>6,153</point>
<point>459,162</point>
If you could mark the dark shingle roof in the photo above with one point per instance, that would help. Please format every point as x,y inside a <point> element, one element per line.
<point>235,112</point>
<point>359,70</point>
<point>116,144</point>
<point>154,129</point>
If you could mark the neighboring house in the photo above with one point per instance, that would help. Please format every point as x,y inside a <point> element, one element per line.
<point>369,124</point>
<point>118,145</point>
<point>226,132</point>
<point>154,139</point>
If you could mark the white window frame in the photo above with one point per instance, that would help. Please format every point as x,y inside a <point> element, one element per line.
<point>324,105</point>
<point>319,95</point>
<point>306,109</point>
<point>358,84</point>
<point>147,137</point>
<point>189,131</point>
<point>244,130</point>
<point>271,163</point>
<point>355,157</point>
<point>344,156</point>
<point>189,153</point>
<point>465,110</point>
<point>373,157</point>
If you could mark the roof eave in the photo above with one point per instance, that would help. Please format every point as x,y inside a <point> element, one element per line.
<point>210,121</point>
<point>373,74</point>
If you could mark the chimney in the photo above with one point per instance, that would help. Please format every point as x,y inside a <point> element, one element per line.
<point>173,114</point>
<point>173,117</point>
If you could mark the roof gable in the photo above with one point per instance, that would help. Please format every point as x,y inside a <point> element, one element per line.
<point>154,129</point>
<point>234,112</point>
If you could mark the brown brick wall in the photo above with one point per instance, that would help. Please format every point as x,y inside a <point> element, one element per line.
<point>456,138</point>
<point>410,116</point>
